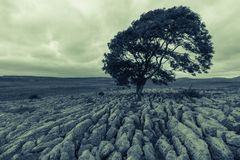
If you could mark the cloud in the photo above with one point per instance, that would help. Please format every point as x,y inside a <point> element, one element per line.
<point>69,37</point>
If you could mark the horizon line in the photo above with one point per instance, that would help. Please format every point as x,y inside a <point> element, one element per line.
<point>79,77</point>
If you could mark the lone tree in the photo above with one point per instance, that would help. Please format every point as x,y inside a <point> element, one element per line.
<point>160,42</point>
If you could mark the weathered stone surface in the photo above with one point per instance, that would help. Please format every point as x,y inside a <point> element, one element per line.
<point>115,156</point>
<point>147,122</point>
<point>81,128</point>
<point>160,112</point>
<point>115,118</point>
<point>210,126</point>
<point>137,138</point>
<point>211,112</point>
<point>28,146</point>
<point>3,137</point>
<point>122,143</point>
<point>111,133</point>
<point>149,152</point>
<point>105,148</point>
<point>229,122</point>
<point>236,114</point>
<point>194,128</point>
<point>84,147</point>
<point>128,127</point>
<point>98,134</point>
<point>180,149</point>
<point>115,127</point>
<point>163,146</point>
<point>171,155</point>
<point>188,115</point>
<point>98,114</point>
<point>86,155</point>
<point>65,127</point>
<point>75,133</point>
<point>49,144</point>
<point>219,150</point>
<point>232,139</point>
<point>68,151</point>
<point>134,152</point>
<point>196,147</point>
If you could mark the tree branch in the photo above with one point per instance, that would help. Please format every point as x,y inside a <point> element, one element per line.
<point>175,48</point>
<point>159,64</point>
<point>165,61</point>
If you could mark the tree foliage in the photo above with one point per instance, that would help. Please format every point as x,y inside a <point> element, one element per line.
<point>160,42</point>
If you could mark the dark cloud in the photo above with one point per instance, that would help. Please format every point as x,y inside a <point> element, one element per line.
<point>69,37</point>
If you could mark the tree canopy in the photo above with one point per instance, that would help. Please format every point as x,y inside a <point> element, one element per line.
<point>160,42</point>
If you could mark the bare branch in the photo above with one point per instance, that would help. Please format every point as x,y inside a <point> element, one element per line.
<point>165,61</point>
<point>175,48</point>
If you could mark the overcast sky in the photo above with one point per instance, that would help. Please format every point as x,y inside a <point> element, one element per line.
<point>68,38</point>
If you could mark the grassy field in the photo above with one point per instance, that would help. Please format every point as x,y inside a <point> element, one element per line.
<point>12,88</point>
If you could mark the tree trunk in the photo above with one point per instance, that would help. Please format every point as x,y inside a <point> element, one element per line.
<point>139,89</point>
<point>139,92</point>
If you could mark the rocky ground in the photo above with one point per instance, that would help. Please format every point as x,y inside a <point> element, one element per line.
<point>115,127</point>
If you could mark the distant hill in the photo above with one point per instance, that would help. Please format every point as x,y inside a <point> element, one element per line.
<point>21,87</point>
<point>236,78</point>
<point>9,77</point>
<point>208,82</point>
<point>180,82</point>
